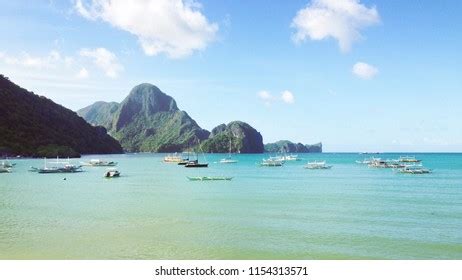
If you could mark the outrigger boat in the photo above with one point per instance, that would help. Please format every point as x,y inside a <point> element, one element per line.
<point>365,161</point>
<point>408,159</point>
<point>290,157</point>
<point>60,167</point>
<point>272,162</point>
<point>414,169</point>
<point>111,173</point>
<point>209,178</point>
<point>317,165</point>
<point>98,162</point>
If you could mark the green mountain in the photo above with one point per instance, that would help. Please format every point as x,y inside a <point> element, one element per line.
<point>32,125</point>
<point>243,137</point>
<point>290,147</point>
<point>147,120</point>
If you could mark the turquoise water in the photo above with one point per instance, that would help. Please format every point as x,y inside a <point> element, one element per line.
<point>154,212</point>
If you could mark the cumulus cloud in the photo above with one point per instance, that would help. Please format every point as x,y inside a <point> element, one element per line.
<point>176,28</point>
<point>268,98</point>
<point>105,60</point>
<point>364,70</point>
<point>287,97</point>
<point>339,19</point>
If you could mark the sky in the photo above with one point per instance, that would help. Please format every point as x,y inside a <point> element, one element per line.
<point>375,75</point>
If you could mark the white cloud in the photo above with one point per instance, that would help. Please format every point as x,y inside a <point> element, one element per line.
<point>105,60</point>
<point>52,60</point>
<point>83,73</point>
<point>364,70</point>
<point>287,97</point>
<point>174,27</point>
<point>340,19</point>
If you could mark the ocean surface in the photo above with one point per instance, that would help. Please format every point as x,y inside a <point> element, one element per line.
<point>154,212</point>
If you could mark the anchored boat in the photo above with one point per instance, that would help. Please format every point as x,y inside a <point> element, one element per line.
<point>5,169</point>
<point>272,162</point>
<point>111,173</point>
<point>98,162</point>
<point>414,169</point>
<point>317,165</point>
<point>209,178</point>
<point>173,158</point>
<point>228,159</point>
<point>57,167</point>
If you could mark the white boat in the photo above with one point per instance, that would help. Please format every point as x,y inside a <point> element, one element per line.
<point>290,157</point>
<point>111,173</point>
<point>5,169</point>
<point>58,167</point>
<point>99,162</point>
<point>228,159</point>
<point>414,169</point>
<point>365,161</point>
<point>317,165</point>
<point>272,162</point>
<point>173,158</point>
<point>7,164</point>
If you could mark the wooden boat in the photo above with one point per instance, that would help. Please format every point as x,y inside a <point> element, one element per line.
<point>209,178</point>
<point>99,162</point>
<point>272,162</point>
<point>414,169</point>
<point>317,165</point>
<point>408,159</point>
<point>58,167</point>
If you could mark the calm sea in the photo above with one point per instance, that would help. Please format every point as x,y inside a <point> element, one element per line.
<point>154,212</point>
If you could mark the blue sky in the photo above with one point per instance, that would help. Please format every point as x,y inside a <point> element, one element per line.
<point>233,60</point>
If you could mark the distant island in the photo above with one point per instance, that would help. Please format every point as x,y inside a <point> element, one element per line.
<point>148,120</point>
<point>286,146</point>
<point>32,125</point>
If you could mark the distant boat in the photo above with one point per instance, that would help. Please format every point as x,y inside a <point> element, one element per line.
<point>5,169</point>
<point>408,159</point>
<point>195,163</point>
<point>272,162</point>
<point>229,159</point>
<point>111,173</point>
<point>365,161</point>
<point>173,158</point>
<point>98,162</point>
<point>58,167</point>
<point>7,164</point>
<point>209,178</point>
<point>184,160</point>
<point>414,169</point>
<point>291,157</point>
<point>317,165</point>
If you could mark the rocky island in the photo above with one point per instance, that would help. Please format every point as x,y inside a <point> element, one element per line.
<point>35,126</point>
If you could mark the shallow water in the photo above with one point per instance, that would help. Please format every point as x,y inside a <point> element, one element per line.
<point>154,212</point>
